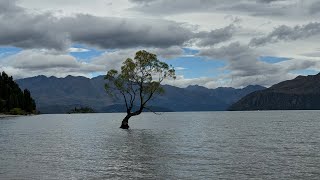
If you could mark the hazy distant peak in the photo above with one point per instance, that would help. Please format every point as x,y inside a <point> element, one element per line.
<point>59,95</point>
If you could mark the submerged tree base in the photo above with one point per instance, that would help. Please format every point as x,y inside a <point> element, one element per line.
<point>124,126</point>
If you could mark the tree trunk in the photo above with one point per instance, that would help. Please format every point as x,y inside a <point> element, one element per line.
<point>124,124</point>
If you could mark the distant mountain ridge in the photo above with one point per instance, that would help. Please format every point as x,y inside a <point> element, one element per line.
<point>59,95</point>
<point>301,93</point>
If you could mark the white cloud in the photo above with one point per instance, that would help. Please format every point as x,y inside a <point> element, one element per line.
<point>114,59</point>
<point>246,68</point>
<point>78,50</point>
<point>279,28</point>
<point>180,68</point>
<point>35,62</point>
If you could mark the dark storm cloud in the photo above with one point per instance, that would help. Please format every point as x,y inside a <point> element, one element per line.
<point>286,33</point>
<point>124,33</point>
<point>215,36</point>
<point>250,7</point>
<point>314,8</point>
<point>32,32</point>
<point>268,1</point>
<point>22,29</point>
<point>177,6</point>
<point>9,6</point>
<point>43,30</point>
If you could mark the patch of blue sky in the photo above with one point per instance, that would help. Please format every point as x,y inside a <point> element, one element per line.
<point>87,54</point>
<point>272,59</point>
<point>195,67</point>
<point>189,51</point>
<point>305,72</point>
<point>95,74</point>
<point>8,51</point>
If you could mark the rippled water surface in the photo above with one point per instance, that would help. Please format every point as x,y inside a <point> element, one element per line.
<point>196,145</point>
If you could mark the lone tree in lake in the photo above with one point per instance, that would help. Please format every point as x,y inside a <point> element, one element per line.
<point>138,82</point>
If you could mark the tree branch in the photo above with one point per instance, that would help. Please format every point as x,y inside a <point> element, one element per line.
<point>157,113</point>
<point>125,100</point>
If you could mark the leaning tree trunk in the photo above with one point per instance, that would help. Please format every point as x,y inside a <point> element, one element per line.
<point>124,124</point>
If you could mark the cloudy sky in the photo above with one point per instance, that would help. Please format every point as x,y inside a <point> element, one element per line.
<point>211,43</point>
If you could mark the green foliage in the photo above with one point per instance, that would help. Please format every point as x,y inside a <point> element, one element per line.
<point>17,111</point>
<point>12,98</point>
<point>139,80</point>
<point>81,110</point>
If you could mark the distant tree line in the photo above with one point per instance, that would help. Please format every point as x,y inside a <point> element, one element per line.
<point>81,110</point>
<point>12,99</point>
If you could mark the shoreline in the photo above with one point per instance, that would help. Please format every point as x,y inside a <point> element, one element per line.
<point>8,115</point>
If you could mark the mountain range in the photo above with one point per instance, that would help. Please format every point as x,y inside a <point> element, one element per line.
<point>60,95</point>
<point>301,93</point>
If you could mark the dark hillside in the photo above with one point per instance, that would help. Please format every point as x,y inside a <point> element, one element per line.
<point>301,93</point>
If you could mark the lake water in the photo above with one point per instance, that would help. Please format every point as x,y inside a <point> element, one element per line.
<point>193,145</point>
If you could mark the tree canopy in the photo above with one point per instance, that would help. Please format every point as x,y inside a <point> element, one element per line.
<point>138,81</point>
<point>12,99</point>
